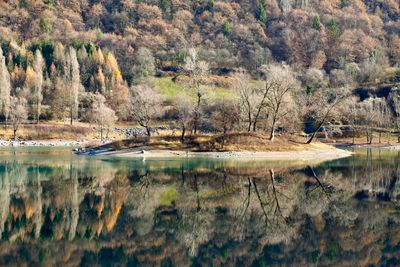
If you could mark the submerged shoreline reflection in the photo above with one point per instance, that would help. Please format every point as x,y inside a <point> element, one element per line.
<point>63,209</point>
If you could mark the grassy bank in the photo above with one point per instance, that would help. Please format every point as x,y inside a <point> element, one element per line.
<point>237,146</point>
<point>257,142</point>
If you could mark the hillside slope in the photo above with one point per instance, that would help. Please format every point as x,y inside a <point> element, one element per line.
<point>322,34</point>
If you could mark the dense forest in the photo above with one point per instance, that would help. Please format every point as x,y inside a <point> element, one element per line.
<point>243,65</point>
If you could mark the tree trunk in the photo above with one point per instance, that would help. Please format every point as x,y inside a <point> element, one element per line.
<point>197,113</point>
<point>326,133</point>
<point>15,134</point>
<point>370,136</point>
<point>250,123</point>
<point>255,121</point>
<point>315,131</point>
<point>195,122</point>
<point>311,138</point>
<point>183,135</point>
<point>272,133</point>
<point>148,130</point>
<point>70,113</point>
<point>38,113</point>
<point>322,122</point>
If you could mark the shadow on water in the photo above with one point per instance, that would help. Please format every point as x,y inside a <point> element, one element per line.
<point>57,208</point>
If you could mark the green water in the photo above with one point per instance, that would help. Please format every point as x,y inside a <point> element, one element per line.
<point>60,209</point>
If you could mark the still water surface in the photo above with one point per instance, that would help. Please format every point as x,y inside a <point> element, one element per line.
<point>60,209</point>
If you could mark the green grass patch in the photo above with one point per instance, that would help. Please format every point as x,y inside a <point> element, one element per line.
<point>168,88</point>
<point>168,196</point>
<point>171,90</point>
<point>208,193</point>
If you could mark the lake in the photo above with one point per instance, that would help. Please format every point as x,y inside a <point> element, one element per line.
<point>57,208</point>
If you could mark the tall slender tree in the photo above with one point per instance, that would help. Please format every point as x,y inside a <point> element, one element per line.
<point>5,87</point>
<point>197,70</point>
<point>38,94</point>
<point>72,77</point>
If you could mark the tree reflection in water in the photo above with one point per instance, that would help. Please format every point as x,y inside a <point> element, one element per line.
<point>85,211</point>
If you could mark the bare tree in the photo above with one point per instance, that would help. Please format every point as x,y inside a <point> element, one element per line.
<point>251,100</point>
<point>18,113</point>
<point>384,118</point>
<point>197,70</point>
<point>244,93</point>
<point>38,84</point>
<point>145,106</point>
<point>5,87</point>
<point>102,115</point>
<point>281,84</point>
<point>224,115</point>
<point>184,108</point>
<point>350,111</point>
<point>368,116</point>
<point>320,106</point>
<point>370,113</point>
<point>394,100</point>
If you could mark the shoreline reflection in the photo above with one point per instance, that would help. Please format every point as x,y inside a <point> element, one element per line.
<point>63,209</point>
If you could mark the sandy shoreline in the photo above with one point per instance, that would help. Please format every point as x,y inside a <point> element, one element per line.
<point>323,153</point>
<point>320,154</point>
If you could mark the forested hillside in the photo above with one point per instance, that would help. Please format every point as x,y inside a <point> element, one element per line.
<point>81,58</point>
<point>307,33</point>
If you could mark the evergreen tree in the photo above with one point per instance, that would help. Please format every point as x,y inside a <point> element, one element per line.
<point>262,13</point>
<point>210,5</point>
<point>344,3</point>
<point>334,29</point>
<point>316,24</point>
<point>165,6</point>
<point>226,28</point>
